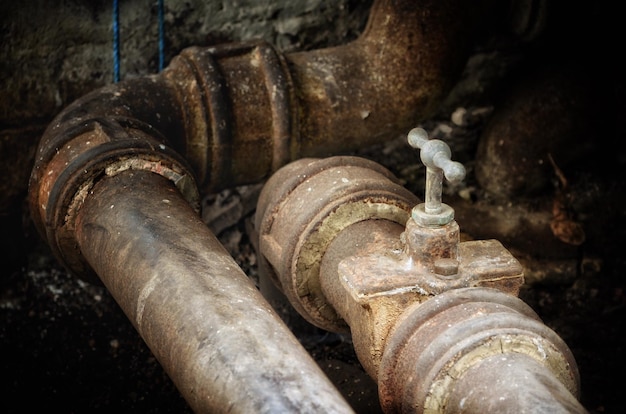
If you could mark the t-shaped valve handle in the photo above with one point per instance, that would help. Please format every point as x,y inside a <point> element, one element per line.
<point>435,155</point>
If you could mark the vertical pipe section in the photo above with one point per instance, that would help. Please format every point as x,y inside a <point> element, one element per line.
<point>394,75</point>
<point>205,321</point>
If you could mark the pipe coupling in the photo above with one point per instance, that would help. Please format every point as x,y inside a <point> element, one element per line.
<point>437,342</point>
<point>70,163</point>
<point>302,209</point>
<point>239,112</point>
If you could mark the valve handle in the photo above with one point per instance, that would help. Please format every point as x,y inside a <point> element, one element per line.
<point>435,154</point>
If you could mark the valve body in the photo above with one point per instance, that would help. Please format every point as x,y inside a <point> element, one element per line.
<point>409,292</point>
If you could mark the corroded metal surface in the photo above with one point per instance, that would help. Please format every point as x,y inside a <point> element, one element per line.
<point>118,172</point>
<point>440,340</point>
<point>368,277</point>
<point>240,111</point>
<point>370,317</point>
<point>394,75</point>
<point>301,210</point>
<point>423,308</point>
<point>79,157</point>
<point>232,114</point>
<point>202,317</point>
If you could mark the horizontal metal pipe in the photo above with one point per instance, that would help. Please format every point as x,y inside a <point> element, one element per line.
<point>221,343</point>
<point>237,112</point>
<point>232,114</point>
<point>511,383</point>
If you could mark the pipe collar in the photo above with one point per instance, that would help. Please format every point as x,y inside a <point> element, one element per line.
<point>71,163</point>
<point>436,342</point>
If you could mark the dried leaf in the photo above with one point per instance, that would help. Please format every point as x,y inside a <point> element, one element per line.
<point>563,225</point>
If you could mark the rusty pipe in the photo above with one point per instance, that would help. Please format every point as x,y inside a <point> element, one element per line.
<point>237,112</point>
<point>390,78</point>
<point>304,206</point>
<point>423,308</point>
<point>476,349</point>
<point>468,349</point>
<point>204,320</point>
<point>231,114</point>
<point>545,393</point>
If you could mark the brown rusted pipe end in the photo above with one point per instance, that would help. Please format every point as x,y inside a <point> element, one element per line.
<point>304,206</point>
<point>436,342</point>
<point>71,162</point>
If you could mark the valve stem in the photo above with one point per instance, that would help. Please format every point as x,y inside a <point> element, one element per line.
<point>435,154</point>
